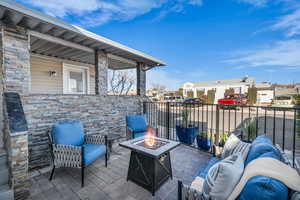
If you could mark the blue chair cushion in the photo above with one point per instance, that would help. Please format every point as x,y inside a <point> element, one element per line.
<point>259,148</point>
<point>137,123</point>
<point>210,163</point>
<point>92,152</point>
<point>68,133</point>
<point>261,187</point>
<point>139,134</point>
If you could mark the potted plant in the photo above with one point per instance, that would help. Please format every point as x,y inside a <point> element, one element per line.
<point>249,129</point>
<point>204,140</point>
<point>186,132</point>
<point>223,139</point>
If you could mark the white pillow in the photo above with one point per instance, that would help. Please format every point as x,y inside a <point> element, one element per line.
<point>234,145</point>
<point>223,177</point>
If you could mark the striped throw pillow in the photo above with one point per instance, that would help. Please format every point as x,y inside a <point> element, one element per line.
<point>234,145</point>
<point>223,177</point>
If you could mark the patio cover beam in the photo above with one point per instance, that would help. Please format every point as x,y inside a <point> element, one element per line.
<point>60,41</point>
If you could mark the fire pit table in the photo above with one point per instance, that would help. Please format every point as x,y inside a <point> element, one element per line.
<point>150,163</point>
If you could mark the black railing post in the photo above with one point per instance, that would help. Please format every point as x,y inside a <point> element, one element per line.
<point>144,107</point>
<point>168,119</point>
<point>217,137</point>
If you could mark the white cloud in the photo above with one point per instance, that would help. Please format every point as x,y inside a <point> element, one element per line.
<point>98,12</point>
<point>162,77</point>
<point>289,22</point>
<point>283,53</point>
<point>257,3</point>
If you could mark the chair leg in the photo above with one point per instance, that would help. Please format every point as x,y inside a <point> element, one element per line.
<point>82,176</point>
<point>52,173</point>
<point>106,158</point>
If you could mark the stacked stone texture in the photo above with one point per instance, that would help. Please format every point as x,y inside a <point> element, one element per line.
<point>16,65</point>
<point>15,77</point>
<point>99,115</point>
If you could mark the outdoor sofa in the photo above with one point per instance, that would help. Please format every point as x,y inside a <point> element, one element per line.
<point>70,147</point>
<point>247,179</point>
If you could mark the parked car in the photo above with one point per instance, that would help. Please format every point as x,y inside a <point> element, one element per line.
<point>173,100</point>
<point>193,101</point>
<point>232,101</point>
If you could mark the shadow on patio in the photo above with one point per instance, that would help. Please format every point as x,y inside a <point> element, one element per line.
<point>110,183</point>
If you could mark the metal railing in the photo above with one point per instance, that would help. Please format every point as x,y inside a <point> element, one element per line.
<point>281,125</point>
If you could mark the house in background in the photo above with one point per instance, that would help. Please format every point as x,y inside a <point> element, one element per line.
<point>265,94</point>
<point>240,86</point>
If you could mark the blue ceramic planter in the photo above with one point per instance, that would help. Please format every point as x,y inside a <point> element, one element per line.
<point>204,144</point>
<point>187,135</point>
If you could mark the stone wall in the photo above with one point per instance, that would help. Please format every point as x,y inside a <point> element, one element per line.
<point>99,115</point>
<point>141,79</point>
<point>1,92</point>
<point>16,61</point>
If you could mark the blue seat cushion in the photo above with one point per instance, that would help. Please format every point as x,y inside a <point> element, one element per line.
<point>266,188</point>
<point>259,149</point>
<point>92,152</point>
<point>210,163</point>
<point>137,123</point>
<point>68,133</point>
<point>139,134</point>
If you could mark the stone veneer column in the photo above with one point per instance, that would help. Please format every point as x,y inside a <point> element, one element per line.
<point>16,65</point>
<point>16,142</point>
<point>141,79</point>
<point>15,79</point>
<point>101,67</point>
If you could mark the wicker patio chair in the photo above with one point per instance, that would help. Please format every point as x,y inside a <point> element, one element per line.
<point>137,126</point>
<point>71,148</point>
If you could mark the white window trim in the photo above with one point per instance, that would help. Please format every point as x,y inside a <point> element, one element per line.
<point>67,67</point>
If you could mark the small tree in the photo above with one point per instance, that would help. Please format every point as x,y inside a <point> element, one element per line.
<point>229,91</point>
<point>158,88</point>
<point>252,95</point>
<point>121,81</point>
<point>190,94</point>
<point>179,92</point>
<point>200,94</point>
<point>211,96</point>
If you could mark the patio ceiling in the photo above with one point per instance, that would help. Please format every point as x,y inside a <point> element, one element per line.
<point>53,49</point>
<point>42,26</point>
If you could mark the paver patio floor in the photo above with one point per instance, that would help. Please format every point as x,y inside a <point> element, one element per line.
<point>110,183</point>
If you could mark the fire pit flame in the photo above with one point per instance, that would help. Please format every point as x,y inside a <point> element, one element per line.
<point>149,139</point>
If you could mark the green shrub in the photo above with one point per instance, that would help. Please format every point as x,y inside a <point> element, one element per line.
<point>229,91</point>
<point>252,95</point>
<point>190,94</point>
<point>211,96</point>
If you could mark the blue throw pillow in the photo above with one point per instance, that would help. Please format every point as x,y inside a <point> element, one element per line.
<point>137,123</point>
<point>262,139</point>
<point>260,146</point>
<point>68,133</point>
<point>259,149</point>
<point>266,188</point>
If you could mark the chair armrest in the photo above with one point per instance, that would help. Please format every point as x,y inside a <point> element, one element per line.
<point>67,155</point>
<point>185,192</point>
<point>95,139</point>
<point>129,133</point>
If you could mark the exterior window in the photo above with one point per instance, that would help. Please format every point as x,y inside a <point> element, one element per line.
<point>75,79</point>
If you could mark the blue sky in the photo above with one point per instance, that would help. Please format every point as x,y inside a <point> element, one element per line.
<point>201,40</point>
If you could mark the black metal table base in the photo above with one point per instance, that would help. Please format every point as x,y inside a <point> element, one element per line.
<point>149,172</point>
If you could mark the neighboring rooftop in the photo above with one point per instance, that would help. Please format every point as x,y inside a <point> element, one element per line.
<point>245,80</point>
